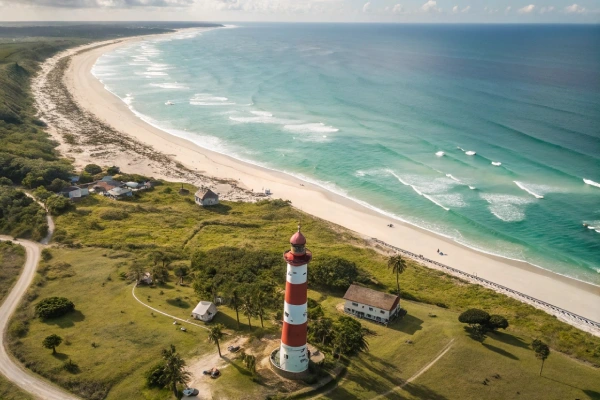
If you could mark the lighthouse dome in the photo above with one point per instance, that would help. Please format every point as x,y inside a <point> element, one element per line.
<point>298,239</point>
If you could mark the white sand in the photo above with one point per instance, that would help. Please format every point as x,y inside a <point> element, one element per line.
<point>570,294</point>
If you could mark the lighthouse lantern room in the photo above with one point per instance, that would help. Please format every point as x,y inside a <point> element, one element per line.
<point>293,353</point>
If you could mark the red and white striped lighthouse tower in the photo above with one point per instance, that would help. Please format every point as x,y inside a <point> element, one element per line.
<point>293,353</point>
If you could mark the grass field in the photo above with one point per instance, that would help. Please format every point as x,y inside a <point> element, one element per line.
<point>128,337</point>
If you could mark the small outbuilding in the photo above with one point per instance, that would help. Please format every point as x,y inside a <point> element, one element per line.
<point>119,193</point>
<point>371,304</point>
<point>206,197</point>
<point>204,311</point>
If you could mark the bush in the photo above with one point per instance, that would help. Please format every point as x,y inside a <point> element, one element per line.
<point>92,169</point>
<point>497,322</point>
<point>58,204</point>
<point>71,367</point>
<point>155,376</point>
<point>53,307</point>
<point>113,215</point>
<point>333,272</point>
<point>46,255</point>
<point>113,170</point>
<point>4,181</point>
<point>474,316</point>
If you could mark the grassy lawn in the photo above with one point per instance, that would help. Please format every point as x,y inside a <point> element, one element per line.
<point>93,249</point>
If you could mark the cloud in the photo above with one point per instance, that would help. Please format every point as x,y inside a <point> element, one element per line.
<point>507,10</point>
<point>398,9</point>
<point>575,9</point>
<point>455,9</point>
<point>367,7</point>
<point>466,9</point>
<point>431,6</point>
<point>526,9</point>
<point>545,10</point>
<point>106,3</point>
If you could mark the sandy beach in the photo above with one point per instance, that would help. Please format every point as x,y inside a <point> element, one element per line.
<point>206,166</point>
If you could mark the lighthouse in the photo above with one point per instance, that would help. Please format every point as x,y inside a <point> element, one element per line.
<point>293,353</point>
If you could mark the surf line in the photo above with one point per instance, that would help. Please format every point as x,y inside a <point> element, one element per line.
<point>523,187</point>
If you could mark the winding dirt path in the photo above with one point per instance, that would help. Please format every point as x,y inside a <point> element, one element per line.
<point>14,372</point>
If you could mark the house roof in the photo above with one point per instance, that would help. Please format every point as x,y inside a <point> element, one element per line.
<point>203,307</point>
<point>132,184</point>
<point>107,185</point>
<point>118,191</point>
<point>360,294</point>
<point>204,194</point>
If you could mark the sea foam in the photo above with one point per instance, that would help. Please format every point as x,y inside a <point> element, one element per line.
<point>318,127</point>
<point>506,207</point>
<point>528,190</point>
<point>591,182</point>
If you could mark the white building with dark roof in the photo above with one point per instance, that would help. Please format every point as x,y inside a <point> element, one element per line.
<point>367,303</point>
<point>206,197</point>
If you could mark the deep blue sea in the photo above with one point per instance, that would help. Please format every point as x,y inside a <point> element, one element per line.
<point>484,134</point>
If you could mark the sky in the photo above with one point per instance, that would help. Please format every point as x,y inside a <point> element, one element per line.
<point>400,11</point>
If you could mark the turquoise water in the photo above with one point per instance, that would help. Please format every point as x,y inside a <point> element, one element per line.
<point>363,109</point>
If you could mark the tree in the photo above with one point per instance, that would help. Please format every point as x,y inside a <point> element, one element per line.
<point>248,308</point>
<point>174,371</point>
<point>42,194</point>
<point>235,303</point>
<point>113,170</point>
<point>57,204</point>
<point>50,342</point>
<point>321,330</point>
<point>136,271</point>
<point>181,272</point>
<point>160,273</point>
<point>478,321</point>
<point>57,185</point>
<point>333,272</point>
<point>92,169</point>
<point>348,336</point>
<point>260,301</point>
<point>249,361</point>
<point>52,307</point>
<point>497,322</point>
<point>215,334</point>
<point>542,351</point>
<point>398,266</point>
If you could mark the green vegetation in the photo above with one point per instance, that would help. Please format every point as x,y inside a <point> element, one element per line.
<point>53,307</point>
<point>398,265</point>
<point>50,342</point>
<point>174,372</point>
<point>21,216</point>
<point>215,334</point>
<point>12,259</point>
<point>542,351</point>
<point>239,242</point>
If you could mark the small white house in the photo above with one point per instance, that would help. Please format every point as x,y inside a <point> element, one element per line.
<point>206,197</point>
<point>367,303</point>
<point>204,311</point>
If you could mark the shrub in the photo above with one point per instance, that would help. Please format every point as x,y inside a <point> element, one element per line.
<point>4,181</point>
<point>58,204</point>
<point>155,376</point>
<point>92,169</point>
<point>497,322</point>
<point>474,316</point>
<point>71,367</point>
<point>113,215</point>
<point>113,170</point>
<point>46,255</point>
<point>333,272</point>
<point>53,307</point>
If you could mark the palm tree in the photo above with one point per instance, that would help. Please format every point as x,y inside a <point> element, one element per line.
<point>260,306</point>
<point>248,308</point>
<point>235,303</point>
<point>398,266</point>
<point>215,334</point>
<point>174,370</point>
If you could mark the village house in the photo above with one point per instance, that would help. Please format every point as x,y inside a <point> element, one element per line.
<point>367,303</point>
<point>146,278</point>
<point>204,311</point>
<point>206,197</point>
<point>74,193</point>
<point>119,193</point>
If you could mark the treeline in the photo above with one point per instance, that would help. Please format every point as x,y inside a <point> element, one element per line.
<point>20,216</point>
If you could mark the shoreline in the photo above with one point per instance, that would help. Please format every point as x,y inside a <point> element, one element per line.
<point>88,92</point>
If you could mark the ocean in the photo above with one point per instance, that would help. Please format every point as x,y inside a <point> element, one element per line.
<point>486,134</point>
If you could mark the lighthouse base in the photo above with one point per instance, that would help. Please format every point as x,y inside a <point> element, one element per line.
<point>275,366</point>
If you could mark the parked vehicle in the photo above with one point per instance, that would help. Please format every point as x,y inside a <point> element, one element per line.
<point>233,349</point>
<point>189,392</point>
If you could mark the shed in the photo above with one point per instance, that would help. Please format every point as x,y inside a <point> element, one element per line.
<point>204,311</point>
<point>132,185</point>
<point>206,197</point>
<point>119,193</point>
